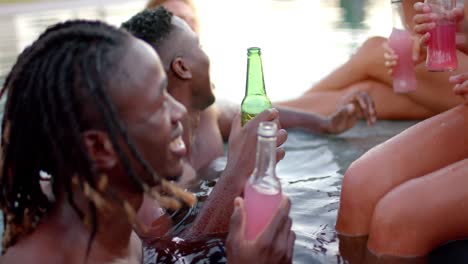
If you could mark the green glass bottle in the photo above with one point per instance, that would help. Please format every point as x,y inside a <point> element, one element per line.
<point>255,100</point>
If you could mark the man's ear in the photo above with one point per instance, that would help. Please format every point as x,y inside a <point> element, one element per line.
<point>99,148</point>
<point>180,69</point>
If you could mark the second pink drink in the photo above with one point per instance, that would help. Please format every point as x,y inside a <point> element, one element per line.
<point>441,50</point>
<point>404,77</point>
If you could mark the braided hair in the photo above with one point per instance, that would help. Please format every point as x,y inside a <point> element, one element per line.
<point>51,87</point>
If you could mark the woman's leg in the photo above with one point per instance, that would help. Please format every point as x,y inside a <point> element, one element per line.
<point>422,213</point>
<point>433,94</point>
<point>388,104</point>
<point>419,150</point>
<point>367,63</point>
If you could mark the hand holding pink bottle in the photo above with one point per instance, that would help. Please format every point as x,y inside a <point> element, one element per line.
<point>401,42</point>
<point>274,245</point>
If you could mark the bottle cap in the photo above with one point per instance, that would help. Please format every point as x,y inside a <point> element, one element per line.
<point>254,50</point>
<point>267,129</point>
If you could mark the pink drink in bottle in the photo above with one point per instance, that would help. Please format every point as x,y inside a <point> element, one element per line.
<point>262,191</point>
<point>441,49</point>
<point>261,205</point>
<point>404,77</point>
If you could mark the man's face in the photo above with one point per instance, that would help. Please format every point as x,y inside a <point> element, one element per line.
<point>199,65</point>
<point>151,116</point>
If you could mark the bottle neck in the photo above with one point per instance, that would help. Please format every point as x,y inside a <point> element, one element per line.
<point>264,174</point>
<point>398,16</point>
<point>255,82</point>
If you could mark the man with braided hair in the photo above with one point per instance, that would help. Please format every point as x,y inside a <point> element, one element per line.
<point>87,103</point>
<point>68,115</point>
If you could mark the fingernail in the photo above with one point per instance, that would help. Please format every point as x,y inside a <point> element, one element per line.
<point>350,108</point>
<point>236,203</point>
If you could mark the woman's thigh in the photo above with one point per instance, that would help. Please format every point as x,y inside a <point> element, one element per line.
<point>422,213</point>
<point>426,147</point>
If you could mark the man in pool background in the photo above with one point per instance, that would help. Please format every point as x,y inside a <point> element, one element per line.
<point>215,121</point>
<point>188,81</point>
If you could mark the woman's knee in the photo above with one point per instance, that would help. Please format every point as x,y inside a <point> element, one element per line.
<point>360,181</point>
<point>398,230</point>
<point>356,203</point>
<point>355,179</point>
<point>371,45</point>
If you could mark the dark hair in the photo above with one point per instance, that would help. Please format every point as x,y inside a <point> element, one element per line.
<point>51,88</point>
<point>152,26</point>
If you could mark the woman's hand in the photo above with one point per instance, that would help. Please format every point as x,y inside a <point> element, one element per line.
<point>353,106</point>
<point>461,85</point>
<point>425,20</point>
<point>418,53</point>
<point>391,58</point>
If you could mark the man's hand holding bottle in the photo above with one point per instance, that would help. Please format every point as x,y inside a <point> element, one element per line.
<point>242,146</point>
<point>274,245</point>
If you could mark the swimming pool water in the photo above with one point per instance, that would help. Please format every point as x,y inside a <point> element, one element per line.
<point>311,174</point>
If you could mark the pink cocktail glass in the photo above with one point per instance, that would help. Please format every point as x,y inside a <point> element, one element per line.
<point>441,49</point>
